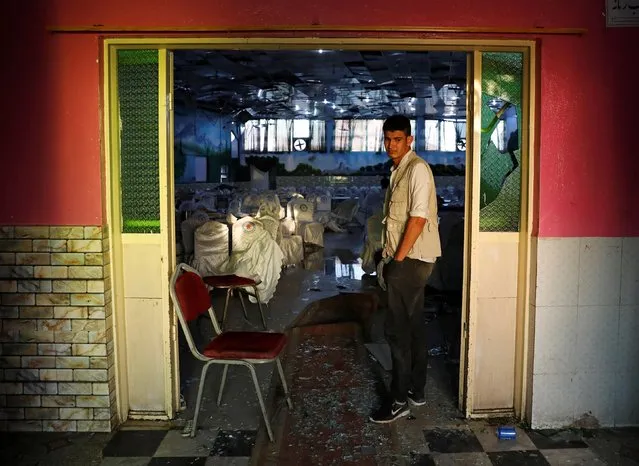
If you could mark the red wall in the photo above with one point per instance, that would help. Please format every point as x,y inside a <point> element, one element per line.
<point>587,157</point>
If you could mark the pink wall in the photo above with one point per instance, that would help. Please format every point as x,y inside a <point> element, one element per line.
<point>51,156</point>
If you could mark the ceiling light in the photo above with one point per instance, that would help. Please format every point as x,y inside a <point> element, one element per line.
<point>320,51</point>
<point>334,106</point>
<point>324,101</point>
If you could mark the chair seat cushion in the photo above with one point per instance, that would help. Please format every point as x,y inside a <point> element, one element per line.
<point>245,345</point>
<point>227,281</point>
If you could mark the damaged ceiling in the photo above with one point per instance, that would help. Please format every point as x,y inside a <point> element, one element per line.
<point>321,84</point>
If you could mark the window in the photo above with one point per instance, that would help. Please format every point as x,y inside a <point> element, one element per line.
<point>361,135</point>
<point>278,135</point>
<point>444,135</point>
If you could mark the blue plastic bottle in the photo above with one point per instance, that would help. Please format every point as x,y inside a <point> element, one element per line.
<point>506,433</point>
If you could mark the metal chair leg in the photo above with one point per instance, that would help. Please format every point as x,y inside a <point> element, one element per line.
<point>226,305</point>
<point>199,397</point>
<point>222,382</point>
<point>284,386</point>
<point>259,397</point>
<point>239,293</point>
<point>259,305</point>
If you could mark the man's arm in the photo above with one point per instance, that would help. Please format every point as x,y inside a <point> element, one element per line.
<point>419,193</point>
<point>413,229</point>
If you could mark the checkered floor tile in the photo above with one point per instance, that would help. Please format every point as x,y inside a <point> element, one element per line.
<point>477,444</point>
<point>472,444</point>
<point>161,447</point>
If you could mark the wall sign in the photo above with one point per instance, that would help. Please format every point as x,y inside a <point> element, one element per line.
<point>299,145</point>
<point>622,13</point>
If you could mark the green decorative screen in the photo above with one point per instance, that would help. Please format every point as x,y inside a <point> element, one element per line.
<point>500,186</point>
<point>139,146</point>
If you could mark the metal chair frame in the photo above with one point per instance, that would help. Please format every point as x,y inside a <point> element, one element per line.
<point>240,290</point>
<point>248,363</point>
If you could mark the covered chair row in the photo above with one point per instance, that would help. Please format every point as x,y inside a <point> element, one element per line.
<point>191,300</point>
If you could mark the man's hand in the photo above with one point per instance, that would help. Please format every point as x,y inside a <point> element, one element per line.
<point>413,229</point>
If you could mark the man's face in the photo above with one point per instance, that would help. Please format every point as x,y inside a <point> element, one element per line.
<point>397,144</point>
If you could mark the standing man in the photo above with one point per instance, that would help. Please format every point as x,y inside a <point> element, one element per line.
<point>410,249</point>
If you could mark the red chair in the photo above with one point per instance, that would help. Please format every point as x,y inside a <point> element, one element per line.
<point>234,282</point>
<point>191,299</point>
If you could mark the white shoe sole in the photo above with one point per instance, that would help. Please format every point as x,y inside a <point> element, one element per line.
<point>415,403</point>
<point>388,421</point>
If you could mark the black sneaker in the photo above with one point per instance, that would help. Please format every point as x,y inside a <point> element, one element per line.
<point>416,399</point>
<point>390,412</point>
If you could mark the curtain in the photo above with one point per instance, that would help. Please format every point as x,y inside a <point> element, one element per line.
<point>442,135</point>
<point>318,136</point>
<point>359,135</point>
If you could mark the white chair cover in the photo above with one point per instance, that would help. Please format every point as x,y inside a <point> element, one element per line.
<point>269,204</point>
<point>323,202</point>
<point>345,211</point>
<point>303,211</point>
<point>188,227</point>
<point>287,226</point>
<point>272,226</point>
<point>373,242</point>
<point>235,207</point>
<point>290,206</point>
<point>211,248</point>
<point>293,249</point>
<point>251,204</point>
<point>255,255</point>
<point>311,231</point>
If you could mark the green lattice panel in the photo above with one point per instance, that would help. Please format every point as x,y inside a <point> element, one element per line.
<point>139,146</point>
<point>500,187</point>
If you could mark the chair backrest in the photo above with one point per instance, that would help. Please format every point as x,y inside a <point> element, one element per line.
<point>188,228</point>
<point>346,209</point>
<point>290,205</point>
<point>303,211</point>
<point>191,299</point>
<point>323,202</point>
<point>269,204</point>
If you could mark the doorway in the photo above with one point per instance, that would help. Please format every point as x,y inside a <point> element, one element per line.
<point>473,285</point>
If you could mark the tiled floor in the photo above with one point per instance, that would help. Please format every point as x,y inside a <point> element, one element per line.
<point>471,443</point>
<point>147,447</point>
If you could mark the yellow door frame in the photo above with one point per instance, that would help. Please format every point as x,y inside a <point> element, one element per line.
<point>473,47</point>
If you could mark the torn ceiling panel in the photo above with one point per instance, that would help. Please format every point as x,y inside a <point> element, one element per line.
<point>322,84</point>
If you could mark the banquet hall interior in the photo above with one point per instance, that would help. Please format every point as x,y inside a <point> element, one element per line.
<point>280,176</point>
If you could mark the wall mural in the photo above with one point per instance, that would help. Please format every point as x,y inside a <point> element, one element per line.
<point>362,163</point>
<point>202,145</point>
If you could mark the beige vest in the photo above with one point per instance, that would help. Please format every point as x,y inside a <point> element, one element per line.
<point>396,209</point>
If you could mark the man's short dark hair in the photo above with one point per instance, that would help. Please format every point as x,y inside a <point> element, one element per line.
<point>397,123</point>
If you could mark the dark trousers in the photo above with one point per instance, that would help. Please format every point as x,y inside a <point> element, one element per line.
<point>405,327</point>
